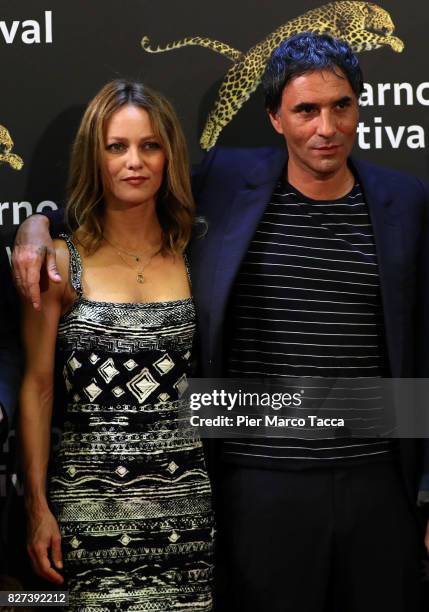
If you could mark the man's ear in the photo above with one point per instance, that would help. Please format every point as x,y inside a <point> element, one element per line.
<point>275,121</point>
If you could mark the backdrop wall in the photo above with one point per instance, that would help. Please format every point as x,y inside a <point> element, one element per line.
<point>55,56</point>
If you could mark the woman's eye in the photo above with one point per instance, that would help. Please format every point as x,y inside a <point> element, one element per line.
<point>151,146</point>
<point>115,147</point>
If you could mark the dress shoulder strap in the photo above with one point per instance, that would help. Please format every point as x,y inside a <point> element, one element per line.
<point>75,264</point>
<point>188,267</point>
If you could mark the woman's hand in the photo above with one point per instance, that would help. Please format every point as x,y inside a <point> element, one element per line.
<point>33,248</point>
<point>44,546</point>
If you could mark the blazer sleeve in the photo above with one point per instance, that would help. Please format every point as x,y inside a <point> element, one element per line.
<point>422,328</point>
<point>422,310</point>
<point>200,173</point>
<point>57,222</point>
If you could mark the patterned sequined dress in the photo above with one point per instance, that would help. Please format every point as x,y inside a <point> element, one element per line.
<point>128,484</point>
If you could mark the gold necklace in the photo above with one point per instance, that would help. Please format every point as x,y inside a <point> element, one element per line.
<point>140,276</point>
<point>135,256</point>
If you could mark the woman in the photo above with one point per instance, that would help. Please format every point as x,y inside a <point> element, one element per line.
<point>128,513</point>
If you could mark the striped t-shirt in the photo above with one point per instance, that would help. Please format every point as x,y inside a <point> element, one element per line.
<point>307,303</point>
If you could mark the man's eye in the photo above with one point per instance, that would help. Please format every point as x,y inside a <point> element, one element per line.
<point>306,109</point>
<point>343,104</point>
<point>116,147</point>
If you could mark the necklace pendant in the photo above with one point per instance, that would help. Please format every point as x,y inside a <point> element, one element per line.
<point>140,277</point>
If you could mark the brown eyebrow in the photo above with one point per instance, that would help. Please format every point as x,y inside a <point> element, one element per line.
<point>123,138</point>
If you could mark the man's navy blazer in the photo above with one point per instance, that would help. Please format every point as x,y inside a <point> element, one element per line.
<point>232,187</point>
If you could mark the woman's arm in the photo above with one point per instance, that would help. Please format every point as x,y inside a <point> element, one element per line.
<point>39,331</point>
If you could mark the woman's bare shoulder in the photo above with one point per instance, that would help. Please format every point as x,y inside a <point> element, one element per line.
<point>62,254</point>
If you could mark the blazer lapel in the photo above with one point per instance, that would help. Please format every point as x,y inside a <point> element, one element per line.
<point>247,207</point>
<point>246,211</point>
<point>390,255</point>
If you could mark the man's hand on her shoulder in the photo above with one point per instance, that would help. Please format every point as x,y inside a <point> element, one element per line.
<point>32,250</point>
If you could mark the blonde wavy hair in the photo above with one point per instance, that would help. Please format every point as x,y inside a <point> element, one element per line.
<point>175,205</point>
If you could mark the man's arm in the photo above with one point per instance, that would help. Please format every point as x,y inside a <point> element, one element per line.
<point>422,343</point>
<point>200,172</point>
<point>33,249</point>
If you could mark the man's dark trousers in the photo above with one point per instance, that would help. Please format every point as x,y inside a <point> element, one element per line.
<point>316,540</point>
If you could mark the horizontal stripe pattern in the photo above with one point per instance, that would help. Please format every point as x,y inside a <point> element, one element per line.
<point>306,302</point>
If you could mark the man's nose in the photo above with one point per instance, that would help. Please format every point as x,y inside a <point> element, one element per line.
<point>326,126</point>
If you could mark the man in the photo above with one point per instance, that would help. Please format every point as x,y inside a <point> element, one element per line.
<point>313,264</point>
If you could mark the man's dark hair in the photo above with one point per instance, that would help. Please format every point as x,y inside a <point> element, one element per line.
<point>303,53</point>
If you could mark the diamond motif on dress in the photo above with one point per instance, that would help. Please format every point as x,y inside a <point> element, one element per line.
<point>107,370</point>
<point>121,470</point>
<point>187,354</point>
<point>164,365</point>
<point>75,543</point>
<point>92,390</point>
<point>174,536</point>
<point>94,358</point>
<point>181,385</point>
<point>130,364</point>
<point>76,397</point>
<point>125,540</point>
<point>73,363</point>
<point>142,385</point>
<point>172,467</point>
<point>66,378</point>
<point>163,397</point>
<point>71,470</point>
<point>118,391</point>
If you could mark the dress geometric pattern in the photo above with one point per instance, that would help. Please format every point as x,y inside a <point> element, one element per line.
<point>128,484</point>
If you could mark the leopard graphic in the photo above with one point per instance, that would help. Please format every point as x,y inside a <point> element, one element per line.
<point>364,25</point>
<point>6,146</point>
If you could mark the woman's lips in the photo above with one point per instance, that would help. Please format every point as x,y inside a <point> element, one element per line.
<point>135,180</point>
